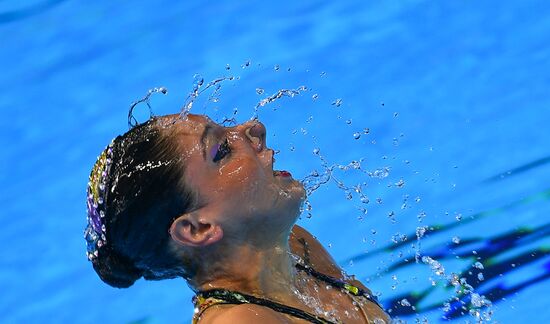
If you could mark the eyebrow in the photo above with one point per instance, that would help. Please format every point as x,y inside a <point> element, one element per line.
<point>204,135</point>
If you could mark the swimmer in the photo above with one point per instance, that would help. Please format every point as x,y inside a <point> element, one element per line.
<point>183,197</point>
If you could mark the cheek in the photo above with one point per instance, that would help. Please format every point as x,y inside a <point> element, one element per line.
<point>242,173</point>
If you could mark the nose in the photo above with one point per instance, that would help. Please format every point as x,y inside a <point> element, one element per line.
<point>255,131</point>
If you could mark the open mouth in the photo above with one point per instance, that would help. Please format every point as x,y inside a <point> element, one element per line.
<point>278,173</point>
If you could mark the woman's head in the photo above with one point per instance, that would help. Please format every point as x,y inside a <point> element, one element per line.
<point>170,190</point>
<point>135,192</point>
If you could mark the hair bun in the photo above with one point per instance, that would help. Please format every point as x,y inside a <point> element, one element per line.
<point>116,270</point>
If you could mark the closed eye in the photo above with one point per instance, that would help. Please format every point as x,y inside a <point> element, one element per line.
<point>219,151</point>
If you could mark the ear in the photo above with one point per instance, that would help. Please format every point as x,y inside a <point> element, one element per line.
<point>192,230</point>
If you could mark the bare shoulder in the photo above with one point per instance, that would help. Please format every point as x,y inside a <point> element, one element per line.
<point>306,246</point>
<point>244,313</point>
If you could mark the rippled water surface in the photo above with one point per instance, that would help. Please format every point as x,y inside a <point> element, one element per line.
<point>425,124</point>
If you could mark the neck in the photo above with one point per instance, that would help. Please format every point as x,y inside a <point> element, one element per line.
<point>267,271</point>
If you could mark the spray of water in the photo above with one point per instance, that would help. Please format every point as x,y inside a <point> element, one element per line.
<point>330,173</point>
<point>198,88</point>
<point>132,121</point>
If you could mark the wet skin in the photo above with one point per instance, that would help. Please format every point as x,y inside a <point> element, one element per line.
<point>243,225</point>
<point>240,189</point>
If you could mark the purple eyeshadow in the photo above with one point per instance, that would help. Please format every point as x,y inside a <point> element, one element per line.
<point>214,150</point>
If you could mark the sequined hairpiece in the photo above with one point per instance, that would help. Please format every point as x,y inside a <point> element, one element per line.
<point>95,232</point>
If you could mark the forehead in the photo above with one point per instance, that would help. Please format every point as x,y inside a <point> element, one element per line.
<point>189,124</point>
<point>185,131</point>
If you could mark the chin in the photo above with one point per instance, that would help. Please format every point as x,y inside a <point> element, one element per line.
<point>295,197</point>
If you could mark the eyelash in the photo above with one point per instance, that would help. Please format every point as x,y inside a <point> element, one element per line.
<point>219,151</point>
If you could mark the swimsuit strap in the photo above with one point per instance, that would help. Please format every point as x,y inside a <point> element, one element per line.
<point>208,298</point>
<point>205,299</point>
<point>356,291</point>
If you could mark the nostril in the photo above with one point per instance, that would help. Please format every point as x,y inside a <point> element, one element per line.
<point>256,134</point>
<point>254,139</point>
<point>257,130</point>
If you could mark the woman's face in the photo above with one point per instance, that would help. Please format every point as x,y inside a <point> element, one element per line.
<point>231,170</point>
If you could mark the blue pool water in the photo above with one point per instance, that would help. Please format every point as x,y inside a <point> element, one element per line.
<point>454,93</point>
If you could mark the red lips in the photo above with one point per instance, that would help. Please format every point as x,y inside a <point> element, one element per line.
<point>282,173</point>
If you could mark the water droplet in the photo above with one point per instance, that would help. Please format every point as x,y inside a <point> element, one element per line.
<point>356,135</point>
<point>227,67</point>
<point>315,97</point>
<point>478,265</point>
<point>480,277</point>
<point>316,151</point>
<point>348,121</point>
<point>395,142</point>
<point>198,80</point>
<point>322,74</point>
<point>395,114</point>
<point>476,300</point>
<point>420,231</point>
<point>404,302</point>
<point>400,183</point>
<point>366,131</point>
<point>458,216</point>
<point>436,267</point>
<point>380,173</point>
<point>337,102</point>
<point>276,67</point>
<point>379,201</point>
<point>456,240</point>
<point>355,165</point>
<point>245,64</point>
<point>260,91</point>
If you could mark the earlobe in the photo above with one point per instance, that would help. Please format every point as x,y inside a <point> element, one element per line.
<point>190,230</point>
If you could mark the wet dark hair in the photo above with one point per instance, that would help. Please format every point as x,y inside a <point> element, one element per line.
<point>145,193</point>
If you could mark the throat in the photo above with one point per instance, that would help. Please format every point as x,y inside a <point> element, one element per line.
<point>268,272</point>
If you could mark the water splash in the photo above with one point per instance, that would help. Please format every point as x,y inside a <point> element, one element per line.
<point>479,306</point>
<point>278,95</point>
<point>316,179</point>
<point>132,121</point>
<point>198,88</point>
